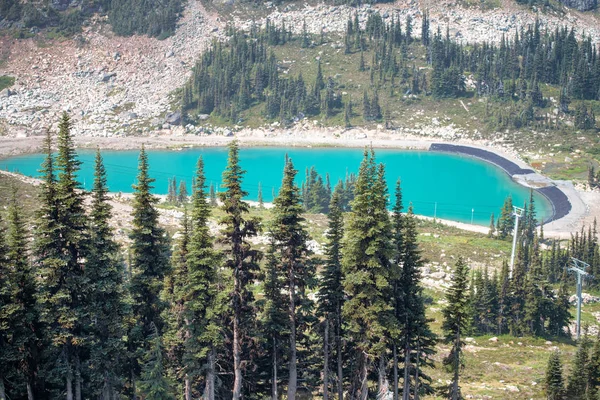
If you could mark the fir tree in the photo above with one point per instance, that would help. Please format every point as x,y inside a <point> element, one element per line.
<point>182,195</point>
<point>154,385</point>
<point>492,230</point>
<point>9,356</point>
<point>505,221</point>
<point>203,303</point>
<point>554,384</point>
<point>261,204</point>
<point>60,250</point>
<point>593,371</point>
<point>106,300</point>
<point>241,259</point>
<point>366,252</point>
<point>290,240</point>
<point>274,316</point>
<point>331,295</point>
<point>456,323</point>
<point>149,263</point>
<point>416,341</point>
<point>19,320</point>
<point>578,379</point>
<point>212,195</point>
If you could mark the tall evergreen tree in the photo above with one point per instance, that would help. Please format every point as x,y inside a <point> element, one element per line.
<point>456,323</point>
<point>241,259</point>
<point>331,295</point>
<point>61,247</point>
<point>416,340</point>
<point>8,354</point>
<point>202,302</point>
<point>19,335</point>
<point>106,309</point>
<point>366,253</point>
<point>149,264</point>
<point>274,314</point>
<point>290,239</point>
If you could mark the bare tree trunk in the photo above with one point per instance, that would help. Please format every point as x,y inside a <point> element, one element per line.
<point>274,389</point>
<point>406,387</point>
<point>209,389</point>
<point>77,379</point>
<point>187,388</point>
<point>364,387</point>
<point>134,395</point>
<point>456,366</point>
<point>338,338</point>
<point>29,391</point>
<point>293,374</point>
<point>383,384</point>
<point>395,351</point>
<point>417,372</point>
<point>69,383</point>
<point>106,388</point>
<point>237,349</point>
<point>2,390</point>
<point>326,360</point>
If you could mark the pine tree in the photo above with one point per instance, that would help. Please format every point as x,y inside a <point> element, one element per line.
<point>154,385</point>
<point>398,295</point>
<point>331,295</point>
<point>23,312</point>
<point>241,259</point>
<point>203,303</point>
<point>106,308</point>
<point>456,323</point>
<point>578,379</point>
<point>505,222</point>
<point>261,204</point>
<point>19,319</point>
<point>212,195</point>
<point>416,341</point>
<point>593,371</point>
<point>149,263</point>
<point>555,387</point>
<point>62,244</point>
<point>273,314</point>
<point>182,195</point>
<point>366,251</point>
<point>172,193</point>
<point>290,238</point>
<point>492,230</point>
<point>9,356</point>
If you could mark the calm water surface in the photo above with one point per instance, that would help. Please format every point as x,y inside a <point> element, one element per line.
<point>447,186</point>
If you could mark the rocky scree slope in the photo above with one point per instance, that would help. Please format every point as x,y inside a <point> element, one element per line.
<point>116,86</point>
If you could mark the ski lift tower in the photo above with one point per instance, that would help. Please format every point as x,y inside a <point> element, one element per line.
<point>579,268</point>
<point>518,213</point>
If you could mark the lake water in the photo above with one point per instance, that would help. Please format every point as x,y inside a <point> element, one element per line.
<point>445,185</point>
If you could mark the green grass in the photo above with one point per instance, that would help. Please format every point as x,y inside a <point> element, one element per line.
<point>6,81</point>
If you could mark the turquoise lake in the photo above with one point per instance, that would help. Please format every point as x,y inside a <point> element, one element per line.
<point>445,185</point>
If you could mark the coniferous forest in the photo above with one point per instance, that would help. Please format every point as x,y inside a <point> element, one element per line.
<point>209,315</point>
<point>242,73</point>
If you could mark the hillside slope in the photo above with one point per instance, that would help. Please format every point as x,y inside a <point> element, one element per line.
<point>121,85</point>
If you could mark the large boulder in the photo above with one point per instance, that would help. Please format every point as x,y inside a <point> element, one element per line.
<point>173,118</point>
<point>581,5</point>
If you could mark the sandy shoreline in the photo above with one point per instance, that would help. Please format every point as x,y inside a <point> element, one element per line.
<point>584,205</point>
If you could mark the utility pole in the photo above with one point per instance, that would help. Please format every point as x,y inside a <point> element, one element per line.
<point>518,213</point>
<point>579,268</point>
